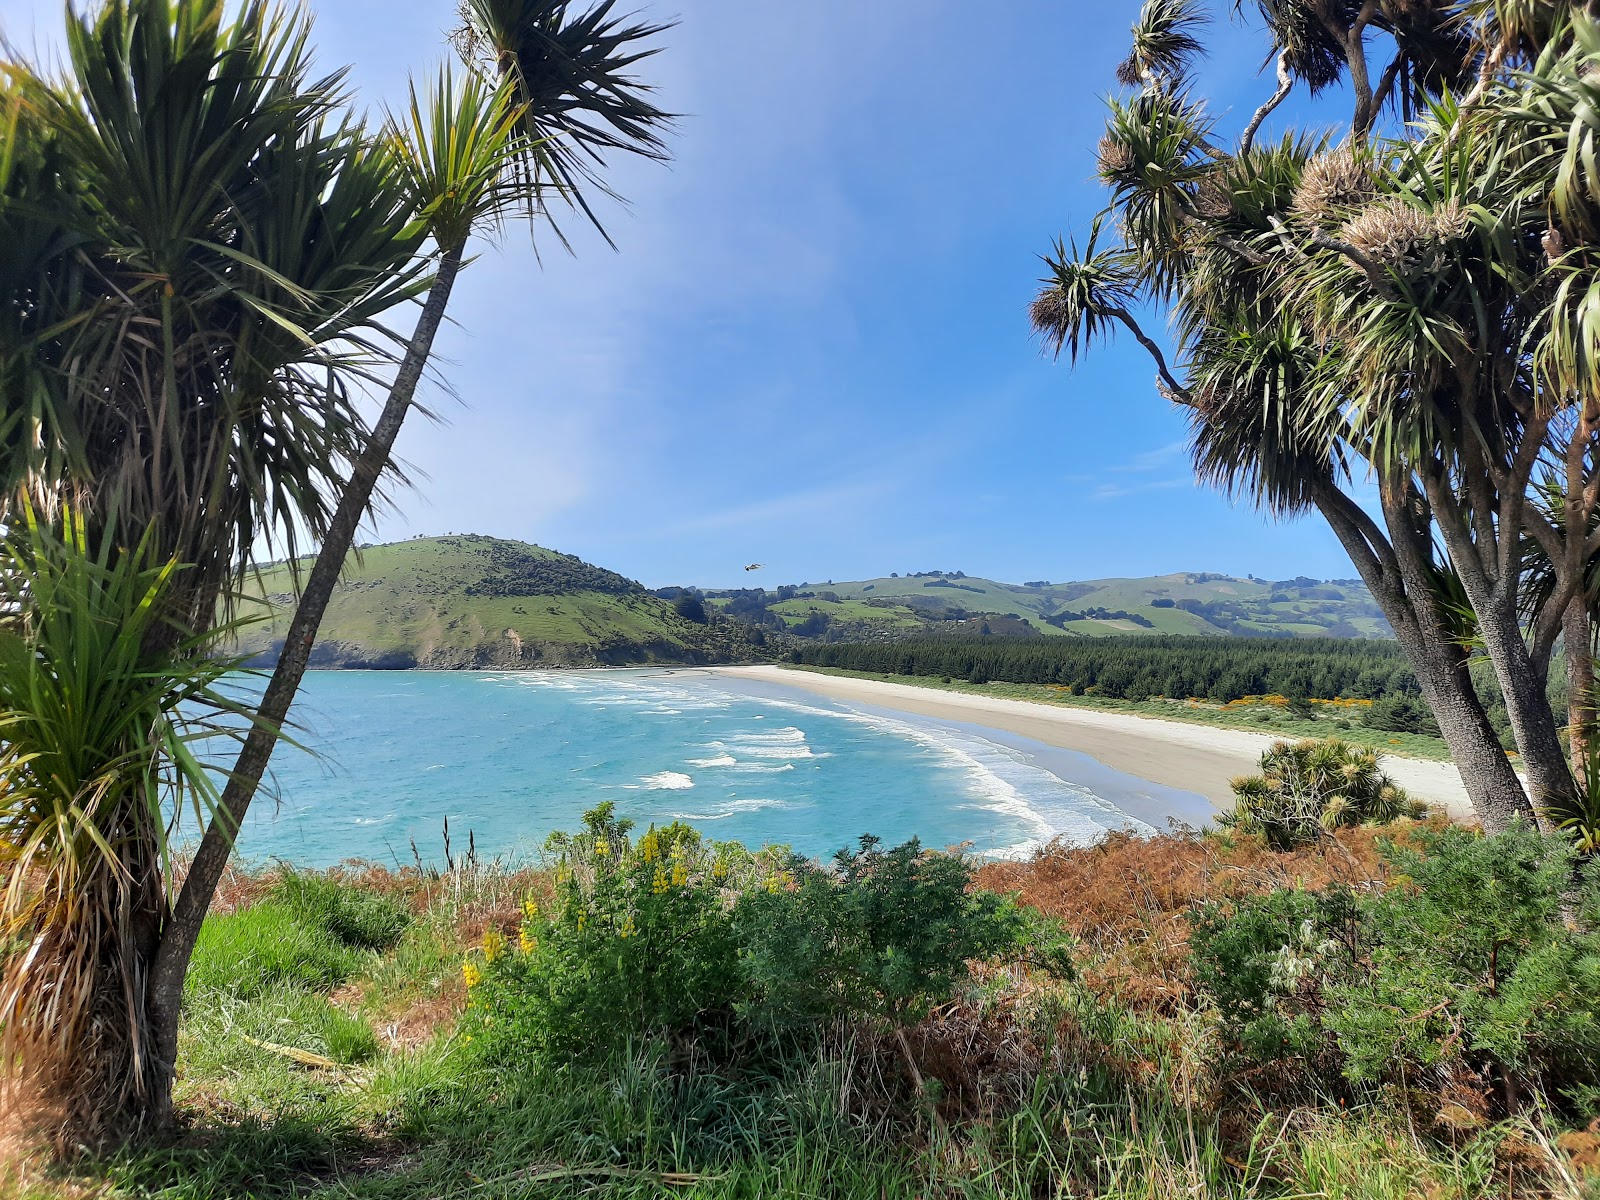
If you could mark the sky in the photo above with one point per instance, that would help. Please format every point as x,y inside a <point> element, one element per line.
<point>811,348</point>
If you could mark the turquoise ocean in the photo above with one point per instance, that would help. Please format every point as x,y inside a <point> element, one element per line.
<point>387,756</point>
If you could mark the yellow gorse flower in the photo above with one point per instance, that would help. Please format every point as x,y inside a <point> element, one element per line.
<point>471,973</point>
<point>493,943</point>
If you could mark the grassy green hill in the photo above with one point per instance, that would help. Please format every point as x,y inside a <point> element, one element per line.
<point>470,601</point>
<point>1188,602</point>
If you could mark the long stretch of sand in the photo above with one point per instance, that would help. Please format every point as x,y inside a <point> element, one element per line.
<point>1195,758</point>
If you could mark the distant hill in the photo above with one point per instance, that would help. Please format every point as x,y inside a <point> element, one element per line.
<point>959,604</point>
<point>471,601</point>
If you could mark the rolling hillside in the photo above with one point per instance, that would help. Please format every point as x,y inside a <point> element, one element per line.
<point>1184,603</point>
<point>470,601</point>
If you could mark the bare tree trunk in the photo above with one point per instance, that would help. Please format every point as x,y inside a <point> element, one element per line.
<point>1576,636</point>
<point>1550,782</point>
<point>211,859</point>
<point>1440,665</point>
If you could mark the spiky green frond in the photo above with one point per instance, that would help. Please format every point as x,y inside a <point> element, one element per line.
<point>456,147</point>
<point>1084,293</point>
<point>236,240</point>
<point>573,72</point>
<point>1165,44</point>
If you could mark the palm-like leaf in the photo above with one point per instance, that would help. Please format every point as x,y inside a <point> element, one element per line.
<point>1085,295</point>
<point>99,755</point>
<point>573,74</point>
<point>1164,43</point>
<point>236,241</point>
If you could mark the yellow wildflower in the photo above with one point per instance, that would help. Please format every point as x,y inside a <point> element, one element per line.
<point>680,874</point>
<point>774,884</point>
<point>526,943</point>
<point>493,943</point>
<point>471,973</point>
<point>530,908</point>
<point>583,921</point>
<point>659,884</point>
<point>650,847</point>
<point>628,928</point>
<point>719,870</point>
<point>601,847</point>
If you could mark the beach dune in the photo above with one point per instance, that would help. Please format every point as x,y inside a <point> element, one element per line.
<point>1195,758</point>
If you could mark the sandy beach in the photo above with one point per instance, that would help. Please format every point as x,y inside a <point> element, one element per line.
<point>1195,758</point>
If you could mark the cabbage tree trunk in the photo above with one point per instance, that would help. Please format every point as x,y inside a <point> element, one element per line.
<point>211,859</point>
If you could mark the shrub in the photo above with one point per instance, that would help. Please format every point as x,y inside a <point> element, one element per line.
<point>886,934</point>
<point>638,941</point>
<point>247,952</point>
<point>1264,963</point>
<point>1471,959</point>
<point>672,936</point>
<point>355,916</point>
<point>1307,788</point>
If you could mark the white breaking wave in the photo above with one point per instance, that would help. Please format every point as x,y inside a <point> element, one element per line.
<point>993,773</point>
<point>732,808</point>
<point>668,781</point>
<point>721,760</point>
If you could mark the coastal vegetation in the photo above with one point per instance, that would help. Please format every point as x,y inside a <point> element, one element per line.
<point>1383,1013</point>
<point>202,242</point>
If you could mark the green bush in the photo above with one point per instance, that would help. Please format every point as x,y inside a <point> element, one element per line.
<point>674,936</point>
<point>1470,957</point>
<point>1466,959</point>
<point>1307,788</point>
<point>638,942</point>
<point>243,954</point>
<point>886,933</point>
<point>1265,962</point>
<point>356,916</point>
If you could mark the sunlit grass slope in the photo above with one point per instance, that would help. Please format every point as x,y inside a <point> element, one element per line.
<point>470,601</point>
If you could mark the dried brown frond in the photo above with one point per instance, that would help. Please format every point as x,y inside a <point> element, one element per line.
<point>1125,899</point>
<point>1048,311</point>
<point>1332,186</point>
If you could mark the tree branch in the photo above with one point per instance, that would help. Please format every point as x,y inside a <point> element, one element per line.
<point>1285,83</point>
<point>1179,392</point>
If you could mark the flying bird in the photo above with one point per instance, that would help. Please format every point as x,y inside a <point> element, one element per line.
<point>755,566</point>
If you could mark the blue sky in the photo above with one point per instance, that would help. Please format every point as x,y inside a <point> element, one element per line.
<point>812,348</point>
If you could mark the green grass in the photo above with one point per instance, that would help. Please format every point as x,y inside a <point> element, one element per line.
<point>444,602</point>
<point>1083,1096</point>
<point>1260,611</point>
<point>794,612</point>
<point>1252,719</point>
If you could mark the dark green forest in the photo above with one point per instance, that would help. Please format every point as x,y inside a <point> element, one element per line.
<point>1138,668</point>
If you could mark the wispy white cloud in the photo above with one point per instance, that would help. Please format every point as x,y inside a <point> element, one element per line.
<point>1151,460</point>
<point>811,502</point>
<point>1112,491</point>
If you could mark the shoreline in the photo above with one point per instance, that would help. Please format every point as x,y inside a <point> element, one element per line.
<point>1173,754</point>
